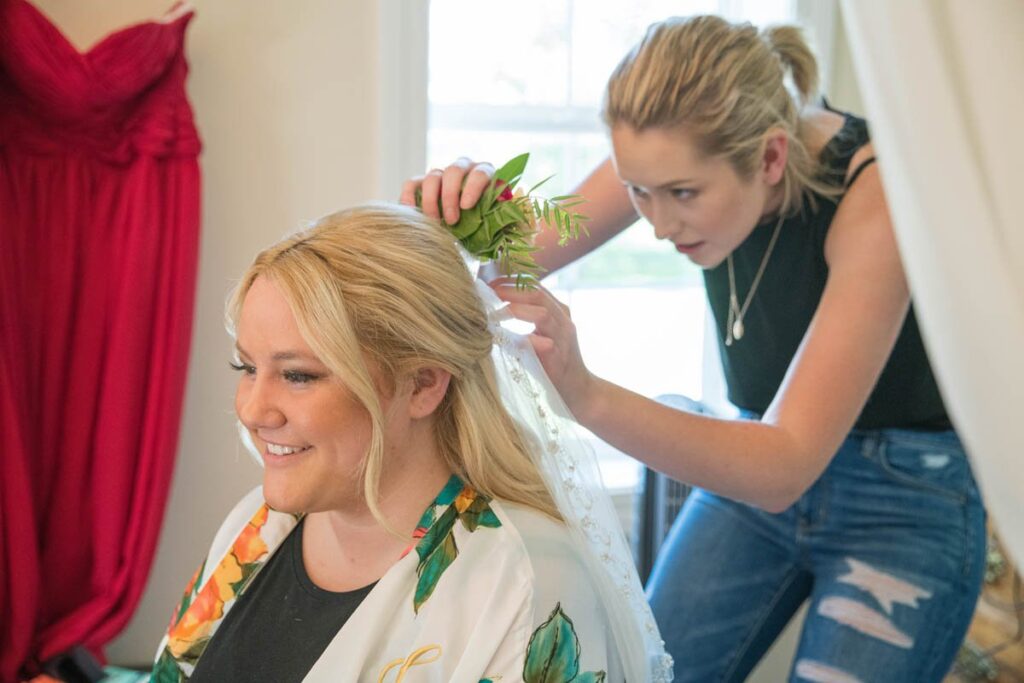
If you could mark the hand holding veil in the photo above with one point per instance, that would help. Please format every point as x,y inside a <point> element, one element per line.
<point>570,470</point>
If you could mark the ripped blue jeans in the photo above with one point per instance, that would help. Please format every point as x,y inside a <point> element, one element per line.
<point>888,546</point>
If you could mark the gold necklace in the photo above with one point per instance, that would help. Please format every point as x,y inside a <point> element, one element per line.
<point>734,322</point>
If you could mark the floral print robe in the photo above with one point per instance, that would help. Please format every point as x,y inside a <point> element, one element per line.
<point>493,592</point>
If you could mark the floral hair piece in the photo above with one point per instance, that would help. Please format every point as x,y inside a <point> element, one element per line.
<point>503,223</point>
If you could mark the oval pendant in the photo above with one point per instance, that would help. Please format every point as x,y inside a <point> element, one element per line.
<point>737,329</point>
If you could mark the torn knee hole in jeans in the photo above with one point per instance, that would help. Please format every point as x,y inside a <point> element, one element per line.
<point>862,618</point>
<point>816,672</point>
<point>883,587</point>
<point>887,590</point>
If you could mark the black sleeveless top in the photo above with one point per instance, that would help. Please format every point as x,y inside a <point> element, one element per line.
<point>906,395</point>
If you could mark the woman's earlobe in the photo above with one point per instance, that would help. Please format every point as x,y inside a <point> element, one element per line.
<point>429,388</point>
<point>776,153</point>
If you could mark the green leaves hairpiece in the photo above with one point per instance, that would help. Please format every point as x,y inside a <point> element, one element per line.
<point>502,224</point>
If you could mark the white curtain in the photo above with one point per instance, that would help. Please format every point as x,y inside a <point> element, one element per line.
<point>943,85</point>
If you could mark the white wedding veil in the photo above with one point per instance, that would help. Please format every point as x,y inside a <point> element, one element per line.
<point>569,468</point>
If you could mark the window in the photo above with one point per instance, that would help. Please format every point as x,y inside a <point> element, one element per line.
<point>530,77</point>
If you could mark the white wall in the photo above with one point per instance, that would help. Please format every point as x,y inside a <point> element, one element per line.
<point>286,99</point>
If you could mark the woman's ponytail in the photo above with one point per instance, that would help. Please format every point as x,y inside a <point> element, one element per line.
<point>789,44</point>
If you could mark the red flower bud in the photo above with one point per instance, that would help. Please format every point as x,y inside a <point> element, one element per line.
<point>506,194</point>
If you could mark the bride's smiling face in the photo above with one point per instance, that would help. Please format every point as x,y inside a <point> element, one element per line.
<point>311,432</point>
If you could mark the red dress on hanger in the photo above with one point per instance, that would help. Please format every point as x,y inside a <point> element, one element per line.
<point>99,230</point>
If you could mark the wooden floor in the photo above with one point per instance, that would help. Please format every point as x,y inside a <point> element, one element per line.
<point>995,631</point>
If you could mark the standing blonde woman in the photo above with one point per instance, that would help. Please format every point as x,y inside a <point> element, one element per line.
<point>414,522</point>
<point>844,484</point>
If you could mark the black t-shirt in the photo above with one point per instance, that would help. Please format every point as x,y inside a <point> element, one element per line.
<point>280,625</point>
<point>906,394</point>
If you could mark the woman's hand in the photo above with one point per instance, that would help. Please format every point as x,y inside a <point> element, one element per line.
<point>459,186</point>
<point>554,341</point>
<point>462,183</point>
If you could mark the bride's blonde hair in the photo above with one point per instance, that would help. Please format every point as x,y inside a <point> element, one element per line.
<point>385,282</point>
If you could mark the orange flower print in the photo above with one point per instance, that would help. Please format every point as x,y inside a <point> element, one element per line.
<point>192,581</point>
<point>203,608</point>
<point>465,499</point>
<point>204,611</point>
<point>186,598</point>
<point>207,608</point>
<point>250,546</point>
<point>228,573</point>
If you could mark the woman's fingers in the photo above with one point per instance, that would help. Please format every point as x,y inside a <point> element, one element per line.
<point>546,329</point>
<point>553,339</point>
<point>446,192</point>
<point>539,316</point>
<point>409,187</point>
<point>430,191</point>
<point>550,317</point>
<point>505,288</point>
<point>542,346</point>
<point>476,182</point>
<point>451,188</point>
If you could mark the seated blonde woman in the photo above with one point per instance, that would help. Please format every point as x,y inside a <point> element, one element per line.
<point>409,528</point>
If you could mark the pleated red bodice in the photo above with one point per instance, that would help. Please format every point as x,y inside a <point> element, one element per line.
<point>123,96</point>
